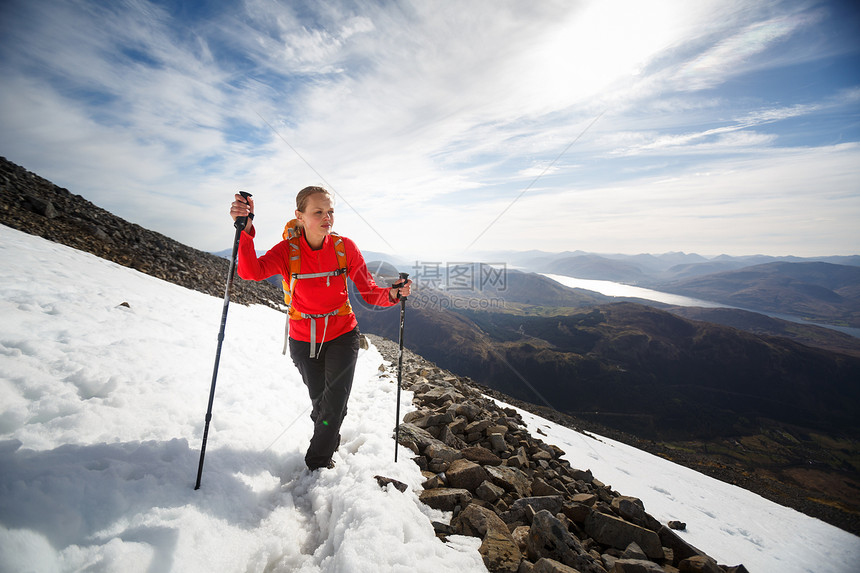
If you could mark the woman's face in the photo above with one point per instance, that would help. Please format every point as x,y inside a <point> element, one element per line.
<point>318,216</point>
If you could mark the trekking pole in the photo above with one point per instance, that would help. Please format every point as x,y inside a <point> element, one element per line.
<point>239,224</point>
<point>403,278</point>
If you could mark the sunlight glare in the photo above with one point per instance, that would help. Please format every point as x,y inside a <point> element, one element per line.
<point>605,43</point>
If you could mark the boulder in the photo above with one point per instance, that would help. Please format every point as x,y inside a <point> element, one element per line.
<point>549,538</point>
<point>478,427</point>
<point>481,455</point>
<point>588,499</point>
<point>545,565</point>
<point>583,476</point>
<point>438,450</point>
<point>680,549</point>
<point>636,566</point>
<point>433,482</point>
<point>420,437</point>
<point>498,549</point>
<point>551,503</point>
<point>576,511</point>
<point>630,508</point>
<point>441,395</point>
<point>699,564</point>
<point>540,487</point>
<point>466,474</point>
<point>497,442</point>
<point>521,537</point>
<point>488,491</point>
<point>511,479</point>
<point>520,459</point>
<point>633,551</point>
<point>618,533</point>
<point>445,498</point>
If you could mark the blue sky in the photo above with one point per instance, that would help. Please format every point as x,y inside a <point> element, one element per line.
<point>451,128</point>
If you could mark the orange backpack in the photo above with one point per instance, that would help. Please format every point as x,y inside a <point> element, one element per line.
<point>292,234</point>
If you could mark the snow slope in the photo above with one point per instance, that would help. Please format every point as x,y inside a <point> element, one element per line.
<point>101,415</point>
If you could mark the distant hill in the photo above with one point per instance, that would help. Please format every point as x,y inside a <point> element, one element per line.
<point>679,272</point>
<point>537,290</point>
<point>814,290</point>
<point>595,267</point>
<point>632,363</point>
<point>648,269</point>
<point>809,335</point>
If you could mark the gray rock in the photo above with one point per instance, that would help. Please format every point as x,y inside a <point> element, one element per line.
<point>498,548</point>
<point>633,551</point>
<point>497,442</point>
<point>680,549</point>
<point>549,538</point>
<point>418,436</point>
<point>488,491</point>
<point>699,564</point>
<point>445,498</point>
<point>636,566</point>
<point>545,565</point>
<point>466,474</point>
<point>511,479</point>
<point>519,460</point>
<point>481,455</point>
<point>439,450</point>
<point>618,533</point>
<point>540,487</point>
<point>551,503</point>
<point>630,508</point>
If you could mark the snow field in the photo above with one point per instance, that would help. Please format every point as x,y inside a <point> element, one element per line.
<point>101,418</point>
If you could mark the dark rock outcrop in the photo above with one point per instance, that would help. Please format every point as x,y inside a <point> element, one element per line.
<point>35,205</point>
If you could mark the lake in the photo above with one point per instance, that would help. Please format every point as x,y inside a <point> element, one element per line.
<point>610,288</point>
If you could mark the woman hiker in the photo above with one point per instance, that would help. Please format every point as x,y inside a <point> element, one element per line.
<point>323,332</point>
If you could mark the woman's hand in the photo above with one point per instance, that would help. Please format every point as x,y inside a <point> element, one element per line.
<point>401,290</point>
<point>242,207</point>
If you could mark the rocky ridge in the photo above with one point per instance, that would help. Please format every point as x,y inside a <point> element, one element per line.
<point>37,206</point>
<point>533,511</point>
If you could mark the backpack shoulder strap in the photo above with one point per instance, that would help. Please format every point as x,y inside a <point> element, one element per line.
<point>340,251</point>
<point>292,234</point>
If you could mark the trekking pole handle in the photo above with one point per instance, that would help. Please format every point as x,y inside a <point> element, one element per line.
<point>403,278</point>
<point>242,221</point>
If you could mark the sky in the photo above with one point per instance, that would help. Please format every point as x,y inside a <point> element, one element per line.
<point>101,418</point>
<point>448,129</point>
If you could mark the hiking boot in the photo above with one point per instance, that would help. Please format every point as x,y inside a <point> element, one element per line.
<point>328,466</point>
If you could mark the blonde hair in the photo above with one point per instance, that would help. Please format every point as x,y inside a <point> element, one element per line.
<point>305,194</point>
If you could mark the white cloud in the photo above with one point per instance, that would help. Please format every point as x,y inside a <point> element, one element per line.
<point>416,114</point>
<point>736,54</point>
<point>770,203</point>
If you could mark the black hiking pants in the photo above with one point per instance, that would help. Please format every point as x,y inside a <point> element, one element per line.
<point>328,377</point>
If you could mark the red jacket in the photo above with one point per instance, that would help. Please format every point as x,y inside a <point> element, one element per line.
<point>314,296</point>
